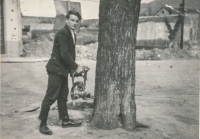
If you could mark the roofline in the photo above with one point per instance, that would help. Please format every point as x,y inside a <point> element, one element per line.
<point>164,7</point>
<point>159,10</point>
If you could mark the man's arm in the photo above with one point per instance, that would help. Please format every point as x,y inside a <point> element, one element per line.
<point>64,52</point>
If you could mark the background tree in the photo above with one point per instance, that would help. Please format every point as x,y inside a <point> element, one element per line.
<point>173,32</point>
<point>115,71</point>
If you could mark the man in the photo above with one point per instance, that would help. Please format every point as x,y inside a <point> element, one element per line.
<point>61,63</point>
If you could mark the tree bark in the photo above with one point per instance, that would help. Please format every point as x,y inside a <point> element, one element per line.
<point>114,103</point>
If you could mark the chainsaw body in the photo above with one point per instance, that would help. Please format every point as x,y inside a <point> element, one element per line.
<point>78,88</point>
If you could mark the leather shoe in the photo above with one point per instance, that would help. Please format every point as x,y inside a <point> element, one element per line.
<point>70,123</point>
<point>45,130</point>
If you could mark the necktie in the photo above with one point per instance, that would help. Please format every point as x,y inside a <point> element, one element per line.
<point>74,37</point>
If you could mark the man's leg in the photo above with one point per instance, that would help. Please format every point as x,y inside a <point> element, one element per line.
<point>53,90</point>
<point>62,106</point>
<point>62,100</point>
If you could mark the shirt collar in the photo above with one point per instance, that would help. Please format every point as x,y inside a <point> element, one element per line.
<point>72,31</point>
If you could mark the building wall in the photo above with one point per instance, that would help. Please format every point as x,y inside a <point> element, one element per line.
<point>38,8</point>
<point>76,6</point>
<point>162,12</point>
<point>194,19</point>
<point>153,31</point>
<point>12,28</point>
<point>32,24</point>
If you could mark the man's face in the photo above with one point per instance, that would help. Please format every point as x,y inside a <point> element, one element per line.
<point>72,21</point>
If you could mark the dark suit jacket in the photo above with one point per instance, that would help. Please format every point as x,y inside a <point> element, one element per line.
<point>63,55</point>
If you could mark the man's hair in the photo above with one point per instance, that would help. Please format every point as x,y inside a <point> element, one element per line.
<point>74,13</point>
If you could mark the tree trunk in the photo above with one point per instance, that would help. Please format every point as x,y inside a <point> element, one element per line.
<point>114,102</point>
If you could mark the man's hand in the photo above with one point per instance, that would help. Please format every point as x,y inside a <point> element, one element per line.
<point>79,69</point>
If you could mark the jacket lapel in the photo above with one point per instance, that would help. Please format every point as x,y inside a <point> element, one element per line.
<point>68,29</point>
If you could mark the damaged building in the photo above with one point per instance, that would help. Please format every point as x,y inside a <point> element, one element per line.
<point>23,20</point>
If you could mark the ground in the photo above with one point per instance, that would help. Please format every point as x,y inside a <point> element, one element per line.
<point>167,100</point>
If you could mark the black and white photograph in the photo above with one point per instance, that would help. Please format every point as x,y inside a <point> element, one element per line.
<point>99,69</point>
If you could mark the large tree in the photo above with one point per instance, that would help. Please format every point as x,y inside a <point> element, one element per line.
<point>114,102</point>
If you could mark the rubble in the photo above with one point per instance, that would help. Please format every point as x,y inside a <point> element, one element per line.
<point>87,51</point>
<point>90,52</point>
<point>42,47</point>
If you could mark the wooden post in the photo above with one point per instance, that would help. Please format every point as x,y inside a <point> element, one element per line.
<point>182,6</point>
<point>2,45</point>
<point>69,5</point>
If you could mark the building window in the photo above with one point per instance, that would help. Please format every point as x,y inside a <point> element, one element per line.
<point>26,29</point>
<point>163,12</point>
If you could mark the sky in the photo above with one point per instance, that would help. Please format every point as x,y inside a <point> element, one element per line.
<point>46,8</point>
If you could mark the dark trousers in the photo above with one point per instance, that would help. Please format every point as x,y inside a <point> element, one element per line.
<point>57,90</point>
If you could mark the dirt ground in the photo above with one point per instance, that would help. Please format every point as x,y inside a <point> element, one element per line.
<point>167,100</point>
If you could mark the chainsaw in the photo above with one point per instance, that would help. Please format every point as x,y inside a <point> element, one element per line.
<point>78,88</point>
